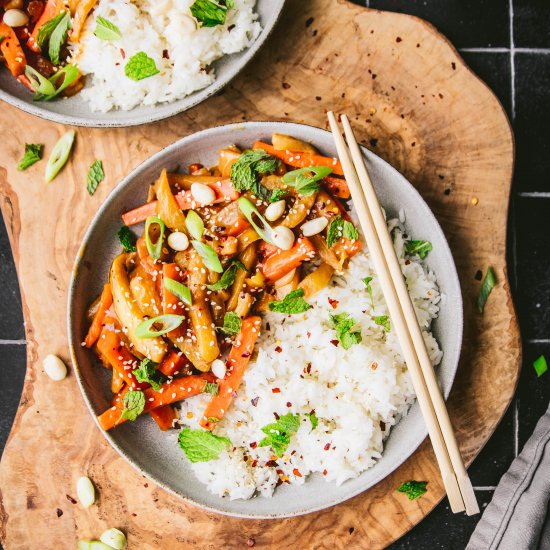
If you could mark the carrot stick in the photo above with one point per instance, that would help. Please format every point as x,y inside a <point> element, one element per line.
<point>337,186</point>
<point>117,382</point>
<point>301,160</point>
<point>173,363</point>
<point>223,188</point>
<point>238,360</point>
<point>170,392</point>
<point>95,328</point>
<point>53,7</point>
<point>284,261</point>
<point>12,51</point>
<point>170,302</point>
<point>164,416</point>
<point>120,357</point>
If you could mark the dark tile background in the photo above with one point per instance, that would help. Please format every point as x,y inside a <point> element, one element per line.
<point>507,43</point>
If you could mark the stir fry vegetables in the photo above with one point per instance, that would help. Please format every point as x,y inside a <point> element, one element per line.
<point>262,231</point>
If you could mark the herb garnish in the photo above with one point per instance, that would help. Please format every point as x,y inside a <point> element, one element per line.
<point>279,433</point>
<point>306,180</point>
<point>340,228</point>
<point>127,239</point>
<point>383,321</point>
<point>231,324</point>
<point>313,419</point>
<point>277,195</point>
<point>413,489</point>
<point>367,281</point>
<point>228,277</point>
<point>33,153</point>
<point>292,303</point>
<point>210,13</point>
<point>140,66</point>
<point>134,403</point>
<point>95,176</point>
<point>147,372</point>
<point>201,445</point>
<point>347,331</point>
<point>420,248</point>
<point>212,388</point>
<point>54,32</point>
<point>105,30</point>
<point>540,365</point>
<point>248,167</point>
<point>486,287</point>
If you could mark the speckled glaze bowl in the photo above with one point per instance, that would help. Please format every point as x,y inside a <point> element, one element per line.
<point>75,111</point>
<point>156,454</point>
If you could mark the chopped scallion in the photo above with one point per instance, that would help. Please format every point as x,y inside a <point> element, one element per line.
<point>179,290</point>
<point>209,256</point>
<point>154,249</point>
<point>251,212</point>
<point>486,287</point>
<point>59,155</point>
<point>194,224</point>
<point>168,321</point>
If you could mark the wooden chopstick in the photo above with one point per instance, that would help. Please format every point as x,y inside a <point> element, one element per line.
<point>398,321</point>
<point>464,483</point>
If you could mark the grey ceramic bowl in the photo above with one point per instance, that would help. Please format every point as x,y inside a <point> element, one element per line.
<point>75,110</point>
<point>156,454</point>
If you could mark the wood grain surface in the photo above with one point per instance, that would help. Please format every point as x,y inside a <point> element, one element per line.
<point>412,101</point>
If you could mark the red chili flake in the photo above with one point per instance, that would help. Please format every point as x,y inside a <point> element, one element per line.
<point>276,416</point>
<point>245,354</point>
<point>286,85</point>
<point>230,28</point>
<point>308,368</point>
<point>271,464</point>
<point>146,485</point>
<point>327,447</point>
<point>122,53</point>
<point>254,463</point>
<point>278,349</point>
<point>308,334</point>
<point>250,542</point>
<point>333,303</point>
<point>382,425</point>
<point>288,404</point>
<point>254,401</point>
<point>407,262</point>
<point>296,472</point>
<point>253,445</point>
<point>267,326</point>
<point>245,458</point>
<point>59,512</point>
<point>165,54</point>
<point>334,343</point>
<point>325,472</point>
<point>275,390</point>
<point>71,499</point>
<point>280,472</point>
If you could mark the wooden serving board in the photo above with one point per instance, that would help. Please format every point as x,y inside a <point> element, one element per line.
<point>414,102</point>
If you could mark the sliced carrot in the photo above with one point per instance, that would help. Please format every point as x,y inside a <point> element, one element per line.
<point>164,417</point>
<point>115,351</point>
<point>284,261</point>
<point>173,363</point>
<point>53,7</point>
<point>238,227</point>
<point>117,382</point>
<point>266,249</point>
<point>170,392</point>
<point>238,360</point>
<point>337,186</point>
<point>170,302</point>
<point>105,302</point>
<point>301,160</point>
<point>224,192</point>
<point>12,51</point>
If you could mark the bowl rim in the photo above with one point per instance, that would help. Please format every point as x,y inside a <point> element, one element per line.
<point>172,108</point>
<point>119,190</point>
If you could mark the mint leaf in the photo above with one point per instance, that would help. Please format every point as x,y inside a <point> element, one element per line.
<point>33,153</point>
<point>127,239</point>
<point>231,323</point>
<point>420,248</point>
<point>140,66</point>
<point>201,445</point>
<point>487,286</point>
<point>346,328</point>
<point>306,181</point>
<point>46,30</point>
<point>277,195</point>
<point>279,433</point>
<point>313,419</point>
<point>95,176</point>
<point>292,303</point>
<point>210,13</point>
<point>228,277</point>
<point>134,403</point>
<point>367,281</point>
<point>212,388</point>
<point>147,372</point>
<point>413,489</point>
<point>340,228</point>
<point>58,37</point>
<point>105,30</point>
<point>383,321</point>
<point>249,167</point>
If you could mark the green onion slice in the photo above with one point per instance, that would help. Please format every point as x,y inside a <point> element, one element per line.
<point>179,290</point>
<point>194,224</point>
<point>251,212</point>
<point>40,84</point>
<point>154,249</point>
<point>209,256</point>
<point>486,287</point>
<point>59,155</point>
<point>45,93</point>
<point>540,365</point>
<point>168,321</point>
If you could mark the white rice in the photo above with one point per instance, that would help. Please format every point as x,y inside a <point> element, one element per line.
<point>159,28</point>
<point>358,394</point>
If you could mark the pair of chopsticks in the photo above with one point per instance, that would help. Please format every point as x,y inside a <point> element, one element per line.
<point>455,478</point>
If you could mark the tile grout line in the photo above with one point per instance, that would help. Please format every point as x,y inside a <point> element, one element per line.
<point>13,342</point>
<point>534,194</point>
<point>498,49</point>
<point>512,60</point>
<point>484,488</point>
<point>538,340</point>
